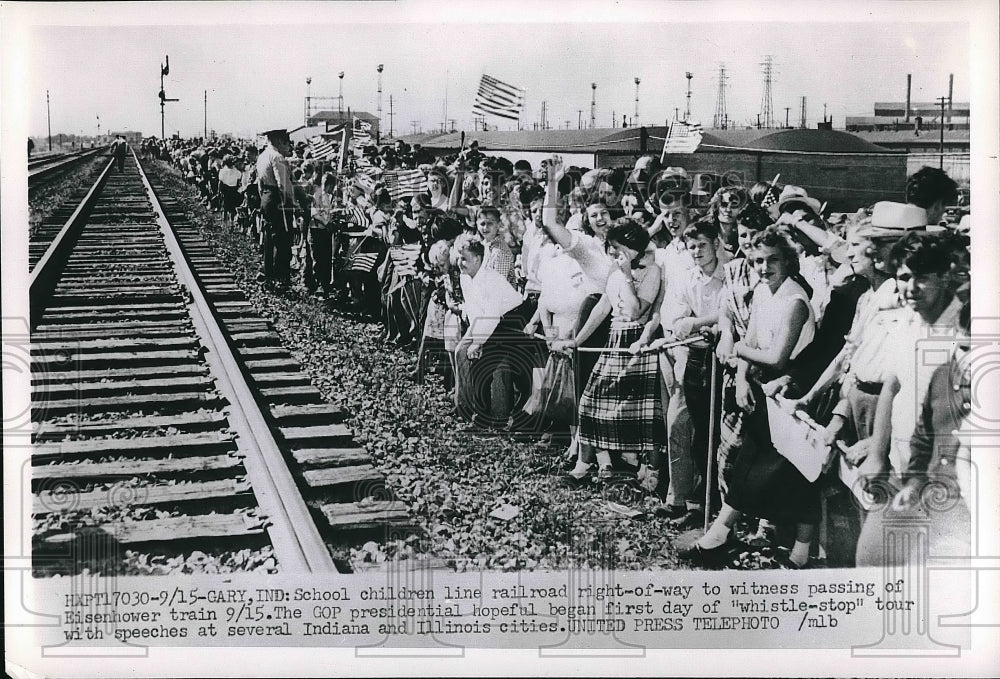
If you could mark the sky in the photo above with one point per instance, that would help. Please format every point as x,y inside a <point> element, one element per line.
<point>253,59</point>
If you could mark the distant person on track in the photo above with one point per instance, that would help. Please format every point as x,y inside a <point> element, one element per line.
<point>118,150</point>
<point>277,204</point>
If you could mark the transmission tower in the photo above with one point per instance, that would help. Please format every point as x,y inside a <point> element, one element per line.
<point>687,111</point>
<point>802,113</point>
<point>766,107</point>
<point>593,105</point>
<point>721,119</point>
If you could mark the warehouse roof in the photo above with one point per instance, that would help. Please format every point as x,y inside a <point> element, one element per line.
<point>627,140</point>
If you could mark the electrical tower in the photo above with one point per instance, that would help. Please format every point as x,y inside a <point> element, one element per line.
<point>687,111</point>
<point>721,119</point>
<point>802,113</point>
<point>593,105</point>
<point>766,107</point>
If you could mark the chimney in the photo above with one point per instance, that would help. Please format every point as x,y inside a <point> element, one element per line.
<point>909,81</point>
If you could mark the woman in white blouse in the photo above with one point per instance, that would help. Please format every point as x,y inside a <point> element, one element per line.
<point>762,483</point>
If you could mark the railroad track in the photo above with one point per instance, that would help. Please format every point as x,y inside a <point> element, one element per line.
<point>42,169</point>
<point>169,422</point>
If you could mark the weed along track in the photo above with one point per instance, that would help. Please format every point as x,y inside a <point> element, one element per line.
<point>172,433</point>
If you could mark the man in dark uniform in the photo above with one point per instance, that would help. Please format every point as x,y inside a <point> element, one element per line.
<point>277,204</point>
<point>118,150</point>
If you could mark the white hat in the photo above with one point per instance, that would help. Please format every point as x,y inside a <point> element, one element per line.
<point>898,216</point>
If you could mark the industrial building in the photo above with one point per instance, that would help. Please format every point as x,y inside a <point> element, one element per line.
<point>838,167</point>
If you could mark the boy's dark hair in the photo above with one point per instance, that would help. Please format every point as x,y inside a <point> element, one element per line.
<point>754,218</point>
<point>626,231</point>
<point>928,185</point>
<point>924,252</point>
<point>705,227</point>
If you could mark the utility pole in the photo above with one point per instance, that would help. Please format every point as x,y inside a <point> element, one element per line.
<point>98,129</point>
<point>48,115</point>
<point>593,105</point>
<point>942,101</point>
<point>687,111</point>
<point>206,115</point>
<point>579,119</point>
<point>787,109</point>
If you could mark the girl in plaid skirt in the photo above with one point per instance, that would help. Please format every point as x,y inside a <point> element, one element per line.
<point>620,410</point>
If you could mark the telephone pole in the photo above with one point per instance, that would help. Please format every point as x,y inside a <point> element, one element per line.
<point>206,114</point>
<point>391,114</point>
<point>942,101</point>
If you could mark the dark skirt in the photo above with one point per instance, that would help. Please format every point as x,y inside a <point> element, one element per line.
<point>762,482</point>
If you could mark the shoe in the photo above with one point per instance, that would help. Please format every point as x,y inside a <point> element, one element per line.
<point>576,482</point>
<point>784,559</point>
<point>670,512</point>
<point>692,518</point>
<point>714,557</point>
<point>762,539</point>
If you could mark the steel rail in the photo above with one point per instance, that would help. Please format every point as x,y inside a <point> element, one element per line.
<point>43,276</point>
<point>297,541</point>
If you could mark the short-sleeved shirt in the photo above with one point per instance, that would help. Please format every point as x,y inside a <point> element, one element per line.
<point>273,172</point>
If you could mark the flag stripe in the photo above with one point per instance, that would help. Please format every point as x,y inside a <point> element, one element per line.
<point>495,97</point>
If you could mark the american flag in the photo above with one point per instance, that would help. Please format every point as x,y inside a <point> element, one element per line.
<point>323,149</point>
<point>499,99</point>
<point>683,137</point>
<point>405,258</point>
<point>400,183</point>
<point>362,134</point>
<point>363,261</point>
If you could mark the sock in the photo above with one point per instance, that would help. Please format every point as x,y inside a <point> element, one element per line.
<point>580,470</point>
<point>603,459</point>
<point>800,553</point>
<point>716,536</point>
